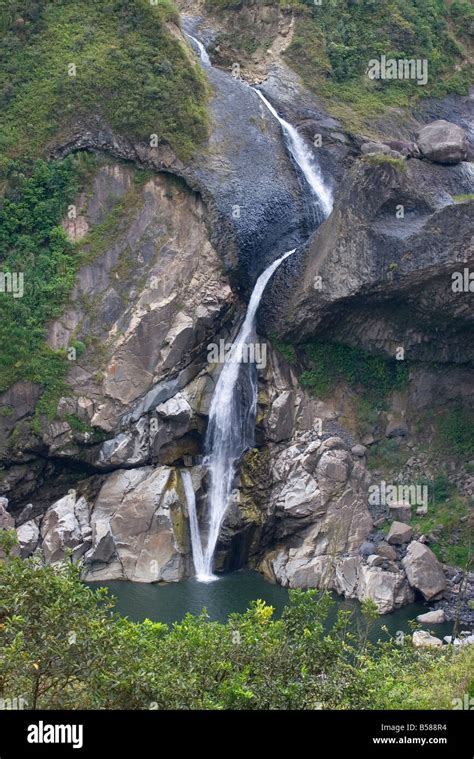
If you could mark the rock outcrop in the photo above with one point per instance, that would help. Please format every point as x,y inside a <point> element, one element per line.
<point>424,571</point>
<point>443,142</point>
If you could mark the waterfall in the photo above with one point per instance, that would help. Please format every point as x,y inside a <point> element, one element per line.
<point>230,428</point>
<point>193,523</point>
<point>203,55</point>
<point>231,425</point>
<point>304,160</point>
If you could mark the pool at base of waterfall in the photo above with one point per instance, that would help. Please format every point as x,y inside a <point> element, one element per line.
<point>234,592</point>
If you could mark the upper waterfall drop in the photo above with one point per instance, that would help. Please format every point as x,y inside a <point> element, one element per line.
<point>302,156</point>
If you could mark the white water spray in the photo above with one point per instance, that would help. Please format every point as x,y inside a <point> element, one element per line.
<point>232,414</point>
<point>203,54</point>
<point>230,428</point>
<point>196,546</point>
<point>303,158</point>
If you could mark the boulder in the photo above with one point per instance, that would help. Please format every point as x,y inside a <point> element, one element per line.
<point>374,560</point>
<point>423,639</point>
<point>359,450</point>
<point>400,512</point>
<point>432,617</point>
<point>176,409</point>
<point>399,533</point>
<point>28,536</point>
<point>387,551</point>
<point>65,525</point>
<point>374,148</point>
<point>6,520</point>
<point>443,142</point>
<point>424,571</point>
<point>281,417</point>
<point>139,518</point>
<point>388,590</point>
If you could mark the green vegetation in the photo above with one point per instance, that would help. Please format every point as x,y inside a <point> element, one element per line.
<point>65,61</point>
<point>463,198</point>
<point>450,521</point>
<point>333,362</point>
<point>62,646</point>
<point>455,431</point>
<point>334,42</point>
<point>285,349</point>
<point>33,243</point>
<point>386,160</point>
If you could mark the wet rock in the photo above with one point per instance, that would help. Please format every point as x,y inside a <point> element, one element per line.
<point>424,571</point>
<point>443,142</point>
<point>399,533</point>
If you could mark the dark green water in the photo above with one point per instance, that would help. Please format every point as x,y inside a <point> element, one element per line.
<point>233,593</point>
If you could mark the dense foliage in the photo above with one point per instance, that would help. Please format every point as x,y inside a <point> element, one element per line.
<point>333,362</point>
<point>334,41</point>
<point>129,69</point>
<point>33,243</point>
<point>61,646</point>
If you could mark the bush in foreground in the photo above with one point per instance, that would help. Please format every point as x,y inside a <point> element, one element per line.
<point>63,646</point>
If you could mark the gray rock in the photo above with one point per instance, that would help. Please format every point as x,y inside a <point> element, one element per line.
<point>443,142</point>
<point>399,533</point>
<point>359,450</point>
<point>28,536</point>
<point>423,639</point>
<point>400,512</point>
<point>281,417</point>
<point>387,551</point>
<point>424,571</point>
<point>6,520</point>
<point>62,527</point>
<point>374,560</point>
<point>432,617</point>
<point>367,549</point>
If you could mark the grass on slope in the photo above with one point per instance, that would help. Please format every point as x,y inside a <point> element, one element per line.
<point>63,60</point>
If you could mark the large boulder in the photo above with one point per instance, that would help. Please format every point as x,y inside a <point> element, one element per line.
<point>424,571</point>
<point>28,537</point>
<point>139,527</point>
<point>436,617</point>
<point>399,533</point>
<point>66,525</point>
<point>443,142</point>
<point>423,639</point>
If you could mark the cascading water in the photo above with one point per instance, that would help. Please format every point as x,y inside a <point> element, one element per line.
<point>230,428</point>
<point>203,54</point>
<point>196,546</point>
<point>304,160</point>
<point>231,424</point>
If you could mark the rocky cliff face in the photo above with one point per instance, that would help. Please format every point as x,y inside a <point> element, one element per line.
<point>169,249</point>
